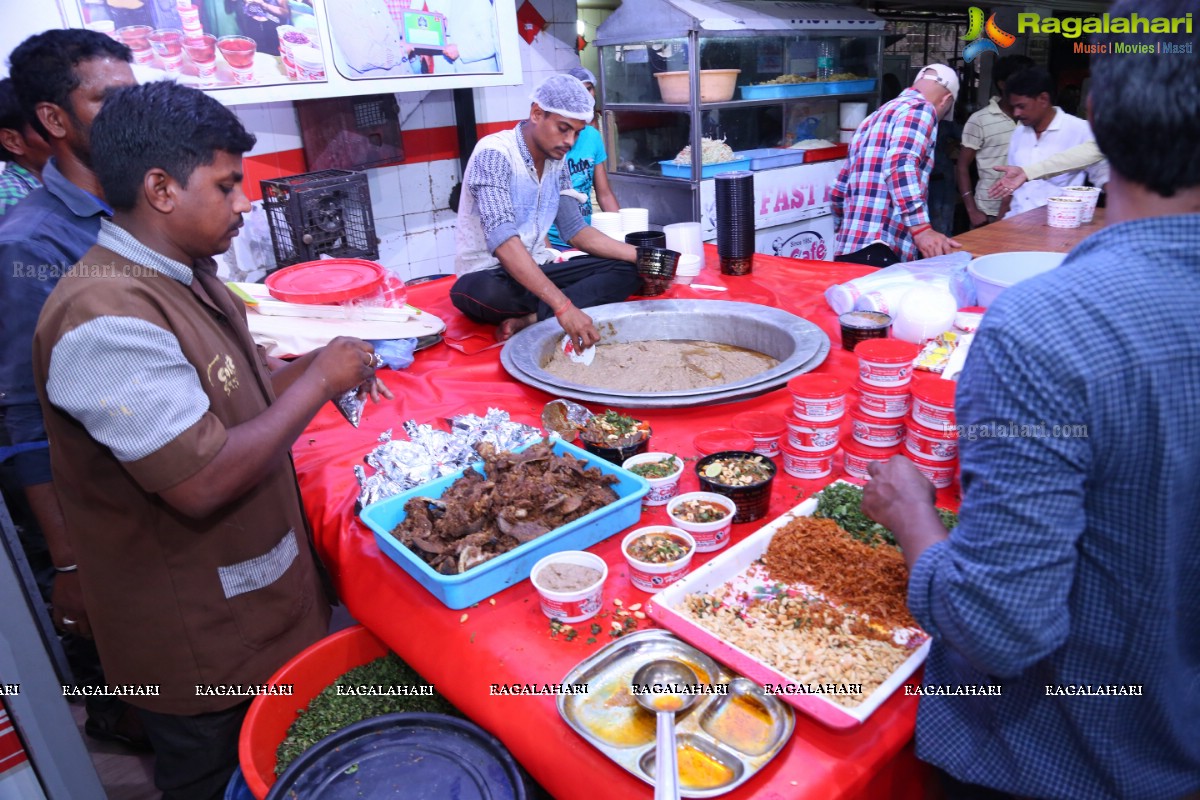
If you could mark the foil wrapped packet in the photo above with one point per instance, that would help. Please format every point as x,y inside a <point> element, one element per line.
<point>351,406</point>
<point>430,453</point>
<point>565,418</point>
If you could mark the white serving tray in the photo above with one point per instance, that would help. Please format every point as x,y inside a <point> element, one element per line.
<point>711,576</point>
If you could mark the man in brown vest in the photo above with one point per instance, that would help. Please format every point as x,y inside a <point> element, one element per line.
<point>170,433</point>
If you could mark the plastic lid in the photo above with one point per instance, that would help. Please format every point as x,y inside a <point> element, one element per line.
<point>430,755</point>
<point>886,351</point>
<point>892,391</point>
<point>935,391</point>
<point>760,423</point>
<point>857,448</point>
<point>817,385</point>
<point>722,439</point>
<point>329,281</point>
<point>947,432</point>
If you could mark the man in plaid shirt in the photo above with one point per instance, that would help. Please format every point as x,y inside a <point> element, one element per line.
<point>880,192</point>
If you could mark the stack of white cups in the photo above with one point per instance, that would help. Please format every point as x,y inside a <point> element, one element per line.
<point>634,220</point>
<point>684,237</point>
<point>608,223</point>
<point>688,268</point>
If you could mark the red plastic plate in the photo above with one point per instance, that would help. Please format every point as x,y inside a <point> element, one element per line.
<point>321,282</point>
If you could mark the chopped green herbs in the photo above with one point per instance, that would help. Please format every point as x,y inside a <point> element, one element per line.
<point>330,712</point>
<point>842,503</point>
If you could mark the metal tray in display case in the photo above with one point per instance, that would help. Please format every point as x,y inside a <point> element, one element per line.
<point>740,731</point>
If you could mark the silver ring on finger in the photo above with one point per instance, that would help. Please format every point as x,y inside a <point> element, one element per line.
<point>376,361</point>
<point>69,621</point>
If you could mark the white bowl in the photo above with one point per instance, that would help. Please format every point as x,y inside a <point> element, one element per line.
<point>709,536</point>
<point>995,273</point>
<point>655,577</point>
<point>661,489</point>
<point>573,605</point>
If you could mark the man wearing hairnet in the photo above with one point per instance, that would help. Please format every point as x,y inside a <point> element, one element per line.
<point>515,188</point>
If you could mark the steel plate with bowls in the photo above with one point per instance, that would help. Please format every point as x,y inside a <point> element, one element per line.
<point>484,580</point>
<point>740,731</point>
<point>663,609</point>
<point>796,343</point>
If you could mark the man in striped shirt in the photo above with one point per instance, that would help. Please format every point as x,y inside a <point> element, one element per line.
<point>985,144</point>
<point>880,194</point>
<point>24,151</point>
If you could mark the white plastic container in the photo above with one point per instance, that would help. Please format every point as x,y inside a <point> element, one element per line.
<point>661,489</point>
<point>709,536</point>
<point>655,577</point>
<point>886,402</point>
<point>933,402</point>
<point>687,268</point>
<point>857,458</point>
<point>1090,195</point>
<point>577,605</point>
<point>813,437</point>
<point>817,398</point>
<point>1064,212</point>
<point>935,444</point>
<point>805,465</point>
<point>886,362</point>
<point>310,65</point>
<point>683,237</point>
<point>939,473</point>
<point>876,432</point>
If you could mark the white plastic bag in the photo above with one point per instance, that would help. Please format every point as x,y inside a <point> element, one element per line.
<point>883,289</point>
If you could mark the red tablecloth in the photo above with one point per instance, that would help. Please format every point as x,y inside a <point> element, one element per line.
<point>509,642</point>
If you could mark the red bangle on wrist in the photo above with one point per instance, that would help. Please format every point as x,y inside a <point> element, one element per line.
<point>563,310</point>
<point>921,229</point>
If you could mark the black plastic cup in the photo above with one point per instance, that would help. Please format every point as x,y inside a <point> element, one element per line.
<point>751,500</point>
<point>616,455</point>
<point>646,239</point>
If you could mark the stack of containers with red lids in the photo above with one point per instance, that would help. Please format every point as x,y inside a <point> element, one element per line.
<point>885,368</point>
<point>818,406</point>
<point>932,437</point>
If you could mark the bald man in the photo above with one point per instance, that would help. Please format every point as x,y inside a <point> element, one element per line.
<point>881,192</point>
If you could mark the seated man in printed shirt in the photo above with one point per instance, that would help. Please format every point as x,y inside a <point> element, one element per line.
<point>515,188</point>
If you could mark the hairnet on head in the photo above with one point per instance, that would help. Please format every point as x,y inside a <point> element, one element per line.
<point>565,95</point>
<point>582,73</point>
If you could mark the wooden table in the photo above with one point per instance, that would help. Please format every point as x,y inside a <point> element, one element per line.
<point>1027,231</point>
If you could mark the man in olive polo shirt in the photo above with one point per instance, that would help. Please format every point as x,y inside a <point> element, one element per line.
<point>170,433</point>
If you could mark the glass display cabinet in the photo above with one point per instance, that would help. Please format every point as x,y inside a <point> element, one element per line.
<point>689,90</point>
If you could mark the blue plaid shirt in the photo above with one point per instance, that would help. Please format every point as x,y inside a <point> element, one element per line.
<point>1077,560</point>
<point>15,183</point>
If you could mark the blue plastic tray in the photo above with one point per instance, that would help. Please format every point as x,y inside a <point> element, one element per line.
<point>781,91</point>
<point>771,157</point>
<point>672,170</point>
<point>460,591</point>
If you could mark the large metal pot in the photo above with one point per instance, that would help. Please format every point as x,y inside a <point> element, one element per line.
<point>796,343</point>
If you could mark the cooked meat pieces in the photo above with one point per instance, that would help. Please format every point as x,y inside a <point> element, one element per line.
<point>524,496</point>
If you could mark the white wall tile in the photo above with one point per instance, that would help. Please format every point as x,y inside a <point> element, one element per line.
<point>445,216</point>
<point>414,187</point>
<point>419,222</point>
<point>389,202</point>
<point>422,246</point>
<point>438,108</point>
<point>442,177</point>
<point>284,120</point>
<point>445,241</point>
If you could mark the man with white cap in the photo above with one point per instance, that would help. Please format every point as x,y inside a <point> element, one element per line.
<point>880,194</point>
<point>511,197</point>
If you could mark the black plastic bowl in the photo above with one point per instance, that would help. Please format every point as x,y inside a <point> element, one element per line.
<point>646,239</point>
<point>752,500</point>
<point>657,262</point>
<point>616,455</point>
<point>652,286</point>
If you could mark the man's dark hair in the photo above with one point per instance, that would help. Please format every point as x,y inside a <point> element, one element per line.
<point>43,67</point>
<point>161,124</point>
<point>10,116</point>
<point>1006,67</point>
<point>1030,83</point>
<point>1145,106</point>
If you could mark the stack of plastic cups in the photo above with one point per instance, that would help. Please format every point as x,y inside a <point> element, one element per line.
<point>932,436</point>
<point>634,220</point>
<point>608,223</point>
<point>850,116</point>
<point>688,268</point>
<point>289,37</point>
<point>814,426</point>
<point>885,369</point>
<point>735,222</point>
<point>189,19</point>
<point>685,238</point>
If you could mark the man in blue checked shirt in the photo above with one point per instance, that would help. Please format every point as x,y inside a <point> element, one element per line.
<point>1073,579</point>
<point>23,150</point>
<point>881,192</point>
